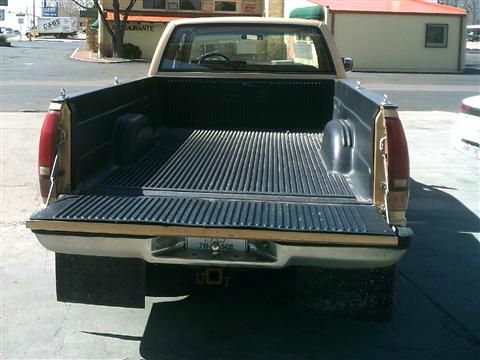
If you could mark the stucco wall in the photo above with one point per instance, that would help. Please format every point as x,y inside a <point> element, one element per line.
<point>146,40</point>
<point>386,42</point>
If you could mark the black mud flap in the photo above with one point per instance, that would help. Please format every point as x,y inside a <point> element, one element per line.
<point>100,280</point>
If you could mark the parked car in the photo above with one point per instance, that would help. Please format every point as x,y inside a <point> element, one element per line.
<point>466,131</point>
<point>473,32</point>
<point>471,106</point>
<point>16,32</point>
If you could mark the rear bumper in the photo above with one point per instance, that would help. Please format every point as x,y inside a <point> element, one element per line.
<point>261,254</point>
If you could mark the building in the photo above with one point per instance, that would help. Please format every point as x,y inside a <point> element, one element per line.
<point>148,18</point>
<point>394,35</point>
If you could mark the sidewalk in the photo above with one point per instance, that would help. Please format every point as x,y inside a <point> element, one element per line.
<point>89,56</point>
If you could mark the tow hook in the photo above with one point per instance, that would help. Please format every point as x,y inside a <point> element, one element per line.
<point>213,276</point>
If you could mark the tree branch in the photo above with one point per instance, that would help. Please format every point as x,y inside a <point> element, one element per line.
<point>80,5</point>
<point>104,18</point>
<point>126,13</point>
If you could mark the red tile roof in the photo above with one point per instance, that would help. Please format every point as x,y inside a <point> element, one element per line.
<point>390,6</point>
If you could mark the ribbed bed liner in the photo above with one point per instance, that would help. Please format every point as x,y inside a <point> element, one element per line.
<point>226,179</point>
<point>182,211</point>
<point>233,162</point>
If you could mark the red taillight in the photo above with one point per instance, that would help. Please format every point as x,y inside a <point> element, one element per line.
<point>465,109</point>
<point>47,150</point>
<point>398,160</point>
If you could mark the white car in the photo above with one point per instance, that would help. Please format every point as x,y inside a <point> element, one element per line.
<point>471,106</point>
<point>466,132</point>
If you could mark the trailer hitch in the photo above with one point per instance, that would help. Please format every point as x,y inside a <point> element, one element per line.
<point>213,276</point>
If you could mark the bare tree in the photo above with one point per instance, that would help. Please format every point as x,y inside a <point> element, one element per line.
<point>472,6</point>
<point>117,31</point>
<point>455,3</point>
<point>68,7</point>
<point>84,4</point>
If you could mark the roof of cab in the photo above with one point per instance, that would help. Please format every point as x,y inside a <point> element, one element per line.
<point>246,20</point>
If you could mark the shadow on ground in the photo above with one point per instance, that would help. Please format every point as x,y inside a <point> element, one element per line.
<point>444,260</point>
<point>425,324</point>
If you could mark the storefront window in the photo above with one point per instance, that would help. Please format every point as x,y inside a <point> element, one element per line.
<point>226,6</point>
<point>190,5</point>
<point>154,4</point>
<point>436,35</point>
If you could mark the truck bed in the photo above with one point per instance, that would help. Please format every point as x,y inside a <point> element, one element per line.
<point>278,164</point>
<point>227,179</point>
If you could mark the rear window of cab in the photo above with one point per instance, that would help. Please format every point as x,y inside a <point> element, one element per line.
<point>251,48</point>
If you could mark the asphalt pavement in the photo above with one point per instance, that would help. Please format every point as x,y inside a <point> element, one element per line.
<point>436,312</point>
<point>32,73</point>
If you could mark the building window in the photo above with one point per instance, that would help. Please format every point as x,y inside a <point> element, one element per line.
<point>190,5</point>
<point>230,6</point>
<point>436,35</point>
<point>154,4</point>
<point>172,5</point>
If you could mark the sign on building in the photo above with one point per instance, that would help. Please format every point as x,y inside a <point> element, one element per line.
<point>2,15</point>
<point>3,2</point>
<point>50,11</point>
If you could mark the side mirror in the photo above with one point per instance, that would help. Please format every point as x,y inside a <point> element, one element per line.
<point>347,63</point>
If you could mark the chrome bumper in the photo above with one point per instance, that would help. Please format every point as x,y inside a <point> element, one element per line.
<point>260,254</point>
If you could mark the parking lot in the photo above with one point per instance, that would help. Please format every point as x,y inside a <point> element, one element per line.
<point>436,312</point>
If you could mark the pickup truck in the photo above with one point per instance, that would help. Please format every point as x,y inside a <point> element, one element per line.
<point>244,148</point>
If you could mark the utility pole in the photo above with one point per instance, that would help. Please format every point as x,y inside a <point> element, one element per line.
<point>34,13</point>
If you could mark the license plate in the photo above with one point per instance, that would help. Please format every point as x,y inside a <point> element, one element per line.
<point>224,245</point>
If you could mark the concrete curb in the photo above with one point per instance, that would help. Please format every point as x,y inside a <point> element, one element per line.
<point>86,56</point>
<point>74,53</point>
